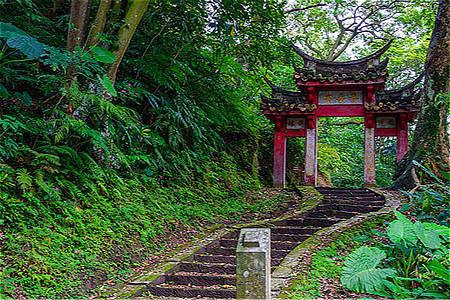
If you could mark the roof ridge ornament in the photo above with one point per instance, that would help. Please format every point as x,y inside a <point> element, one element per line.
<point>376,55</point>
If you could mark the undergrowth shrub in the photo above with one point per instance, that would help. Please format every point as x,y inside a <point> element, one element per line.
<point>65,230</point>
<point>413,265</point>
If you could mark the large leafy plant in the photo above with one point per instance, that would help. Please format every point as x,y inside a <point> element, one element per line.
<point>361,271</point>
<point>417,261</point>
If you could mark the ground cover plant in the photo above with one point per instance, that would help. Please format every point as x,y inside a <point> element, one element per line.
<point>414,264</point>
<point>320,279</point>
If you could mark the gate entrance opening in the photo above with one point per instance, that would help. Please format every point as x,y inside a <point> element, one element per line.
<point>341,152</point>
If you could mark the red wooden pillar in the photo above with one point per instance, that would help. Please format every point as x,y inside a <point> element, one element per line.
<point>402,137</point>
<point>279,154</point>
<point>311,151</point>
<point>369,150</point>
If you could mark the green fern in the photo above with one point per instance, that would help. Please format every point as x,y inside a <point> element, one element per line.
<point>24,180</point>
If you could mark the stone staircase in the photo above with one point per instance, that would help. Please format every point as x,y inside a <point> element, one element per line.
<point>211,273</point>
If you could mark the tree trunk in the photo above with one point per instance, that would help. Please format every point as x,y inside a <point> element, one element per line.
<point>430,145</point>
<point>79,12</point>
<point>133,17</point>
<point>98,25</point>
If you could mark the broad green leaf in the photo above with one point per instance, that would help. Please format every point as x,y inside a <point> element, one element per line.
<point>429,238</point>
<point>3,92</point>
<point>442,231</point>
<point>103,55</point>
<point>402,230</point>
<point>8,30</point>
<point>360,272</point>
<point>107,84</point>
<point>441,271</point>
<point>56,58</point>
<point>27,45</point>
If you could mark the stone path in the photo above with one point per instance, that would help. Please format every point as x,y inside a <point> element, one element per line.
<point>210,271</point>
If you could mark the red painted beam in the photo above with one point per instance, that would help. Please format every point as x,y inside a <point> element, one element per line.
<point>279,153</point>
<point>341,111</point>
<point>385,132</point>
<point>295,133</point>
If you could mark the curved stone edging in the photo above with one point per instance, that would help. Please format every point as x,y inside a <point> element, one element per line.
<point>282,274</point>
<point>310,198</point>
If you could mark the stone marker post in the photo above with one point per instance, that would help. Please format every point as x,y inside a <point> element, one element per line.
<point>253,264</point>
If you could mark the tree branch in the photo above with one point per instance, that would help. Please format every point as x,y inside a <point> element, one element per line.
<point>305,8</point>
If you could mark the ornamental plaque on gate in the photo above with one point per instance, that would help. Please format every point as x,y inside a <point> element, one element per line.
<point>295,123</point>
<point>386,122</point>
<point>340,97</point>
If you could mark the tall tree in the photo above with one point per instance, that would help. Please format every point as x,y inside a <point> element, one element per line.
<point>345,29</point>
<point>430,145</point>
<point>133,17</point>
<point>79,14</point>
<point>78,26</point>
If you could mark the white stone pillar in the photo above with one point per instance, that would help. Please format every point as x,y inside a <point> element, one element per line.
<point>369,151</point>
<point>311,152</point>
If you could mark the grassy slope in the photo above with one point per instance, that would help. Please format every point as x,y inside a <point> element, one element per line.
<point>67,244</point>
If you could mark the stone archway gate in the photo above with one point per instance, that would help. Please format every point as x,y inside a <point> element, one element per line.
<point>339,89</point>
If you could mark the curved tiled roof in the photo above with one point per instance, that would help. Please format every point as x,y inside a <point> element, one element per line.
<point>283,100</point>
<point>367,68</point>
<point>406,97</point>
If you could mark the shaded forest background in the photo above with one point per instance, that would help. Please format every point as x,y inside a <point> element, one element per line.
<point>140,120</point>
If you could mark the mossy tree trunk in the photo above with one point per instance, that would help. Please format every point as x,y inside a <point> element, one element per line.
<point>430,145</point>
<point>133,17</point>
<point>99,23</point>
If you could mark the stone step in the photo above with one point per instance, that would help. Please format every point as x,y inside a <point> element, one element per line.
<point>294,230</point>
<point>289,237</point>
<point>224,259</point>
<point>359,202</point>
<point>332,213</point>
<point>211,274</point>
<point>232,251</point>
<point>189,292</point>
<point>349,195</point>
<point>200,280</point>
<point>308,221</point>
<point>214,268</point>
<point>320,188</point>
<point>276,245</point>
<point>275,236</point>
<point>343,190</point>
<point>229,259</point>
<point>350,208</point>
<point>354,198</point>
<point>320,222</point>
<point>208,268</point>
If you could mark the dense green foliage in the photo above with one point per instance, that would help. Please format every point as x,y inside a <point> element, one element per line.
<point>94,177</point>
<point>417,259</point>
<point>87,194</point>
<point>327,263</point>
